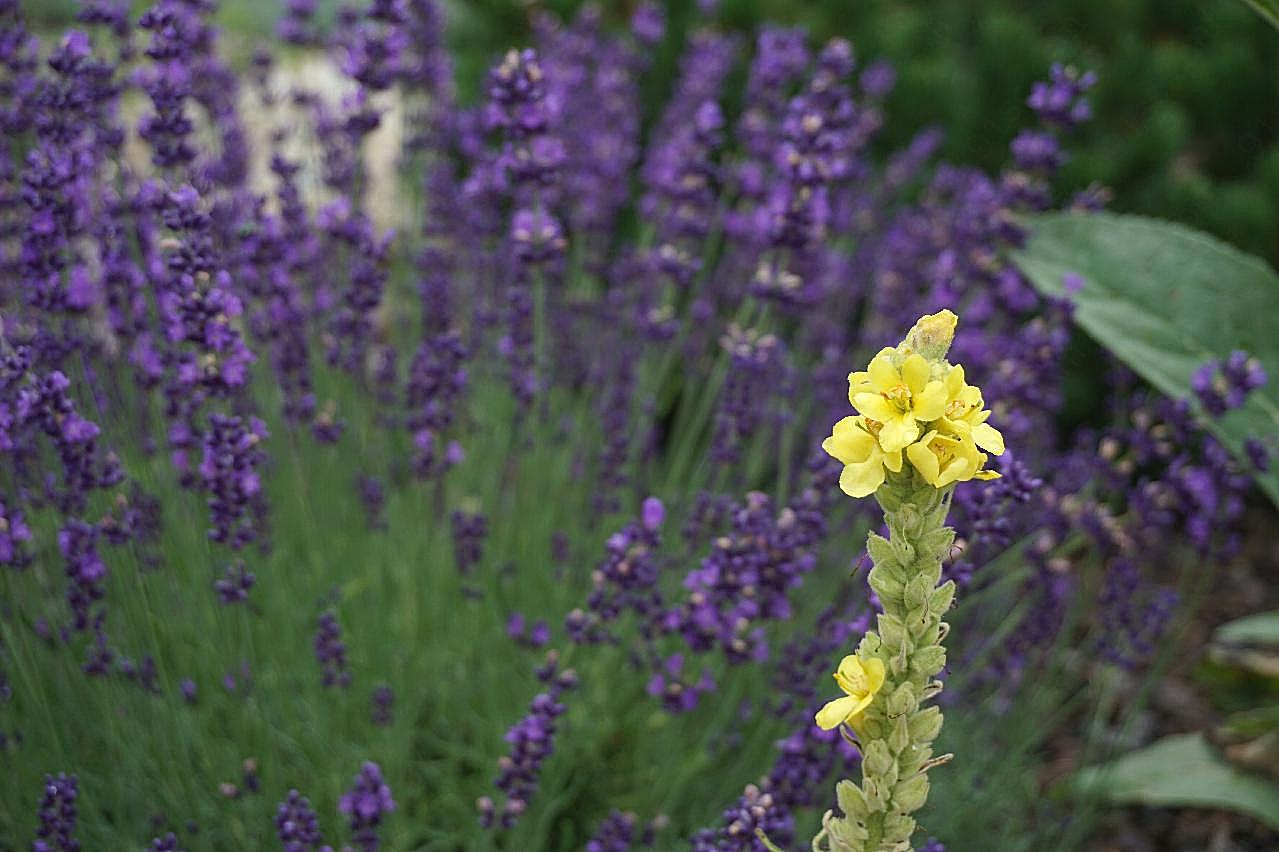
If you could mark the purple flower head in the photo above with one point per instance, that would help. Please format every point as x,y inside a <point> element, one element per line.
<point>1060,101</point>
<point>648,23</point>
<point>167,843</point>
<point>536,235</point>
<point>615,833</point>
<point>1223,387</point>
<point>14,534</point>
<point>383,701</point>
<point>436,386</point>
<point>330,651</point>
<point>366,804</point>
<point>678,694</point>
<point>231,458</point>
<point>297,825</point>
<point>532,741</point>
<point>747,577</point>
<point>234,584</point>
<point>373,498</point>
<point>470,528</point>
<point>297,24</point>
<point>652,514</point>
<point>878,79</point>
<point>57,815</point>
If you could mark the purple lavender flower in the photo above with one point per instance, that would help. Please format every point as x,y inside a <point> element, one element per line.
<point>383,701</point>
<point>436,383</point>
<point>351,326</point>
<point>1223,387</point>
<point>1060,101</point>
<point>747,576</point>
<point>229,470</point>
<point>234,584</point>
<point>297,24</point>
<point>755,811</point>
<point>373,498</point>
<point>297,825</point>
<point>373,52</point>
<point>615,833</point>
<point>366,804</point>
<point>330,651</point>
<point>677,693</point>
<point>470,528</point>
<point>626,579</point>
<point>14,534</point>
<point>167,843</point>
<point>57,815</point>
<point>757,374</point>
<point>532,740</point>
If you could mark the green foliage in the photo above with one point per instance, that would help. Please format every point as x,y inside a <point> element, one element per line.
<point>1185,124</point>
<point>1261,628</point>
<point>1183,770</point>
<point>1165,299</point>
<point>1268,9</point>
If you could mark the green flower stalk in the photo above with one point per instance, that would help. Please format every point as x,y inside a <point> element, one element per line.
<point>913,406</point>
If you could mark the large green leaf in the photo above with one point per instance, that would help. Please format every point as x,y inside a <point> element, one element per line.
<point>1268,9</point>
<point>1182,771</point>
<point>1164,299</point>
<point>1259,629</point>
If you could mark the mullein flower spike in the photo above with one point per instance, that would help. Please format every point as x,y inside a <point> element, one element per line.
<point>920,429</point>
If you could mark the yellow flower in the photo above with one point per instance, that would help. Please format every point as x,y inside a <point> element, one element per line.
<point>899,397</point>
<point>854,445</point>
<point>860,680</point>
<point>966,413</point>
<point>942,458</point>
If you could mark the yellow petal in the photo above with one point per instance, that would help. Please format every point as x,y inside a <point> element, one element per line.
<point>849,442</point>
<point>875,673</point>
<point>850,669</point>
<point>915,371</point>
<point>898,432</point>
<point>875,407</point>
<point>924,460</point>
<point>893,461</point>
<point>958,469</point>
<point>835,712</point>
<point>930,403</point>
<point>857,383</point>
<point>955,381</point>
<point>988,438</point>
<point>986,475</point>
<point>862,479</point>
<point>882,373</point>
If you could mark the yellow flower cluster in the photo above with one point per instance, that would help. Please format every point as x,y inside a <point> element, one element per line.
<point>911,400</point>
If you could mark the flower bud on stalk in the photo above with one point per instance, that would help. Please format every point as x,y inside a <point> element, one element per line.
<point>913,406</point>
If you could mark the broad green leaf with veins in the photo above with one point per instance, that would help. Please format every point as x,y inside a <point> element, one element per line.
<point>1164,299</point>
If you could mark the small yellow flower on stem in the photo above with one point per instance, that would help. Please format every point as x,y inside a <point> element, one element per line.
<point>898,396</point>
<point>853,444</point>
<point>861,680</point>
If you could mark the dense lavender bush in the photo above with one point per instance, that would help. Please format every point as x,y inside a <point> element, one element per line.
<point>529,392</point>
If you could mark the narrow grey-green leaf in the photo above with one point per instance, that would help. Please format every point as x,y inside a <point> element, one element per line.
<point>1182,771</point>
<point>1268,9</point>
<point>1164,299</point>
<point>1259,629</point>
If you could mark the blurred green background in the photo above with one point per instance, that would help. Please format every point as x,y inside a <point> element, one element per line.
<point>1187,108</point>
